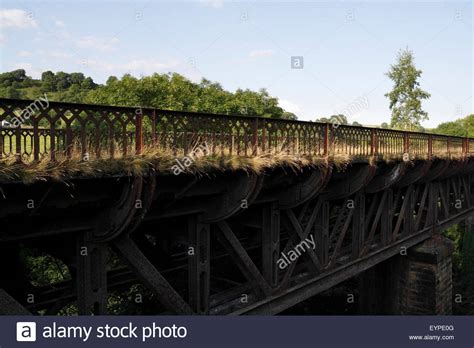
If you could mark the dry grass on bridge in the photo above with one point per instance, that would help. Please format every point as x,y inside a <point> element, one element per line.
<point>163,160</point>
<point>69,140</point>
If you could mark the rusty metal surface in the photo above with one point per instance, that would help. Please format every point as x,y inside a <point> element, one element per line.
<point>352,234</point>
<point>65,130</point>
<point>359,217</point>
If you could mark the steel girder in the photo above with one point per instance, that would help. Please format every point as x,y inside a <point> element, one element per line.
<point>357,220</point>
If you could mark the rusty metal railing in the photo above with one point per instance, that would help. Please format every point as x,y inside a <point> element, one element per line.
<point>31,131</point>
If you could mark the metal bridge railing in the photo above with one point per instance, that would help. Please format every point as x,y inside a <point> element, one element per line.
<point>32,131</point>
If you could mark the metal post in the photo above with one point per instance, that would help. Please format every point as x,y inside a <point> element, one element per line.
<point>270,243</point>
<point>36,142</point>
<point>373,142</point>
<point>153,128</point>
<point>326,139</point>
<point>199,265</point>
<point>430,146</point>
<point>91,281</point>
<point>138,133</point>
<point>406,142</point>
<point>410,206</point>
<point>255,137</point>
<point>321,231</point>
<point>264,136</point>
<point>358,226</point>
<point>386,219</point>
<point>69,145</point>
<point>18,144</point>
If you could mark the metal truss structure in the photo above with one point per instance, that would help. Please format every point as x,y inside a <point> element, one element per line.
<point>215,244</point>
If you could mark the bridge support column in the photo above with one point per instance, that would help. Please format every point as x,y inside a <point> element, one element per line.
<point>199,272</point>
<point>91,280</point>
<point>419,282</point>
<point>426,280</point>
<point>270,243</point>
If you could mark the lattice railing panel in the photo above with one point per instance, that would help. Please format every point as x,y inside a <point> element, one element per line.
<point>63,130</point>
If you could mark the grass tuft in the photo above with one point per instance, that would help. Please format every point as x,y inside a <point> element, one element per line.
<point>164,160</point>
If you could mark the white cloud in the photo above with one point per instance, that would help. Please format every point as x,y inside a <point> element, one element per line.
<point>59,55</point>
<point>3,39</point>
<point>23,54</point>
<point>59,23</point>
<point>100,44</point>
<point>289,106</point>
<point>261,53</point>
<point>16,18</point>
<point>212,3</point>
<point>28,67</point>
<point>141,66</point>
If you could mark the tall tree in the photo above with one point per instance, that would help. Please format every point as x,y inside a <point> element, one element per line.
<point>406,95</point>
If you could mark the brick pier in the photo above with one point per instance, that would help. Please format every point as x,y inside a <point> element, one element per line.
<point>418,282</point>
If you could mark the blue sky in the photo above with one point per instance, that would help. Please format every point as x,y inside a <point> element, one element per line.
<point>346,47</point>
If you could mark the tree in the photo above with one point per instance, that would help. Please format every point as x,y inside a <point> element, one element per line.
<point>62,81</point>
<point>322,120</point>
<point>336,119</point>
<point>111,80</point>
<point>10,92</point>
<point>88,83</point>
<point>48,81</point>
<point>467,263</point>
<point>384,125</point>
<point>176,92</point>
<point>289,116</point>
<point>165,91</point>
<point>15,77</point>
<point>76,78</point>
<point>468,124</point>
<point>452,128</point>
<point>463,127</point>
<point>406,95</point>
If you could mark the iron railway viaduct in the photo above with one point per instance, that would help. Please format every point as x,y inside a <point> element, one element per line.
<point>202,241</point>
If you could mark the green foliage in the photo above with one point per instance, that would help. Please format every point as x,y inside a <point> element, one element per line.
<point>43,268</point>
<point>463,267</point>
<point>289,116</point>
<point>11,92</point>
<point>14,78</point>
<point>463,127</point>
<point>165,91</point>
<point>406,95</point>
<point>338,119</point>
<point>451,128</point>
<point>468,124</point>
<point>467,266</point>
<point>61,86</point>
<point>175,92</point>
<point>136,300</point>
